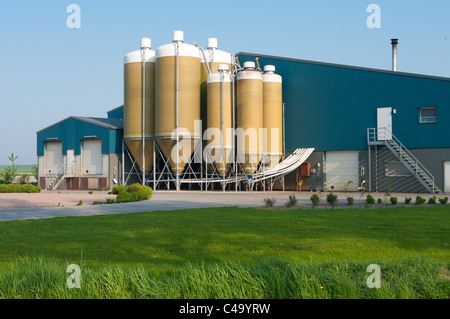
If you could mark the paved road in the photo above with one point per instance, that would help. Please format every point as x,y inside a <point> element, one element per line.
<point>170,200</point>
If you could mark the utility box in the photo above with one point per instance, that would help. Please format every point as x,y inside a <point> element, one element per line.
<point>305,169</point>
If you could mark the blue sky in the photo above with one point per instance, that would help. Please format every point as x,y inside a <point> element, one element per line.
<point>49,71</point>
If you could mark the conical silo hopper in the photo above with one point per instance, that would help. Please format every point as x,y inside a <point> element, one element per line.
<point>273,116</point>
<point>249,106</point>
<point>139,104</point>
<point>177,99</point>
<point>219,119</point>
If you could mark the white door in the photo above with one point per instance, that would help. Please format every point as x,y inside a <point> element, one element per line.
<point>384,121</point>
<point>341,169</point>
<point>447,177</point>
<point>54,158</point>
<point>70,162</point>
<point>92,157</point>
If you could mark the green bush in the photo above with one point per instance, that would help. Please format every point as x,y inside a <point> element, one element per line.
<point>350,200</point>
<point>91,192</point>
<point>80,202</point>
<point>432,200</point>
<point>292,201</point>
<point>134,193</point>
<point>315,200</point>
<point>370,200</point>
<point>269,202</point>
<point>97,202</point>
<point>118,189</point>
<point>332,199</point>
<point>408,200</point>
<point>420,200</point>
<point>110,201</point>
<point>393,200</point>
<point>443,201</point>
<point>380,201</point>
<point>19,188</point>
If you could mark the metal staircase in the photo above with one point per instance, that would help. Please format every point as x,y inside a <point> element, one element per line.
<point>54,180</point>
<point>382,136</point>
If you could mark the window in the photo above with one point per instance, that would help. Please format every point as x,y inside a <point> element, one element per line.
<point>427,115</point>
<point>396,169</point>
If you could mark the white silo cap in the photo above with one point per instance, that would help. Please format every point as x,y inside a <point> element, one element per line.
<point>249,65</point>
<point>212,43</point>
<point>178,36</point>
<point>222,67</point>
<point>146,43</point>
<point>269,68</point>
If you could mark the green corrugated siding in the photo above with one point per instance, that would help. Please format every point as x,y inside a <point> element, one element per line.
<point>72,131</point>
<point>330,107</point>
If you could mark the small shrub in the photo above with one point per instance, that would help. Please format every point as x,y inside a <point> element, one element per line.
<point>110,201</point>
<point>393,200</point>
<point>379,200</point>
<point>420,200</point>
<point>432,200</point>
<point>91,192</point>
<point>408,200</point>
<point>443,201</point>
<point>118,189</point>
<point>315,199</point>
<point>135,193</point>
<point>292,201</point>
<point>270,202</point>
<point>370,200</point>
<point>332,199</point>
<point>97,202</point>
<point>105,189</point>
<point>350,200</point>
<point>80,202</point>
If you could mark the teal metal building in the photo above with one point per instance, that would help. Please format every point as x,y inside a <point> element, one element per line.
<point>85,150</point>
<point>370,129</point>
<point>331,107</point>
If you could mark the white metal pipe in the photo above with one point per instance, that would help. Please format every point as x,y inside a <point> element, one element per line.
<point>222,84</point>
<point>176,109</point>
<point>143,114</point>
<point>204,57</point>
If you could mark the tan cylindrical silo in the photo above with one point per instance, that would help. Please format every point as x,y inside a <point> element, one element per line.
<point>210,61</point>
<point>177,77</point>
<point>273,116</point>
<point>249,105</point>
<point>139,124</point>
<point>219,119</point>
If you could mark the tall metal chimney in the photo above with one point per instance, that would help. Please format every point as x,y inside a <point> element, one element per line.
<point>394,43</point>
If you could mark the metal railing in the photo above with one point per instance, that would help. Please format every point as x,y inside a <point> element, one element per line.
<point>53,178</point>
<point>378,136</point>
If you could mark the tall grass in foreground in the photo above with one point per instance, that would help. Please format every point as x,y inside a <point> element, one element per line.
<point>267,278</point>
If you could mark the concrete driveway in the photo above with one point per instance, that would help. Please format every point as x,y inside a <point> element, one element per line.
<point>171,200</point>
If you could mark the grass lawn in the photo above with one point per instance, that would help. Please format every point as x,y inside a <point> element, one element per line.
<point>167,240</point>
<point>231,253</point>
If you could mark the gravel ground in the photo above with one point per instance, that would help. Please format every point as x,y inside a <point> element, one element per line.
<point>51,199</point>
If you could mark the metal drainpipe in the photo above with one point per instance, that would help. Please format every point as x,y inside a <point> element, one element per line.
<point>176,110</point>
<point>222,123</point>
<point>233,105</point>
<point>143,114</point>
